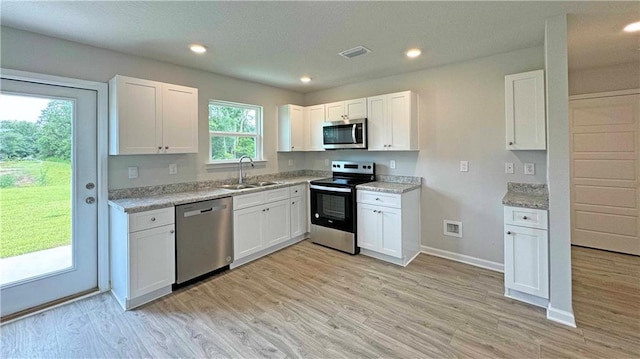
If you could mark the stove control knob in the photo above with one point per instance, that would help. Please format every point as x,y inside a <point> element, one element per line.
<point>317,215</point>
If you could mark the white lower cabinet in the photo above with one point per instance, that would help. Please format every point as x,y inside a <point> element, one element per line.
<point>142,254</point>
<point>526,255</point>
<point>391,231</point>
<point>264,222</point>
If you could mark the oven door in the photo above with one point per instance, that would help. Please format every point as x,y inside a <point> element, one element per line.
<point>345,134</point>
<point>333,207</point>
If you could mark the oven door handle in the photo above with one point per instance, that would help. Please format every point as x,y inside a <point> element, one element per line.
<point>353,132</point>
<point>330,189</point>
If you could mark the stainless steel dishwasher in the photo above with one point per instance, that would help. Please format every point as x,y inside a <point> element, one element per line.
<point>204,238</point>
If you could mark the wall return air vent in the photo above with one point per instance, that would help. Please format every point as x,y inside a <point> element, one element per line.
<point>356,51</point>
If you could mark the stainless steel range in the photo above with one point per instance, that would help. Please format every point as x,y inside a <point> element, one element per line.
<point>333,205</point>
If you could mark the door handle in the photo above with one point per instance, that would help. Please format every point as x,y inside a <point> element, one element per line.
<point>90,200</point>
<point>90,185</point>
<point>353,132</point>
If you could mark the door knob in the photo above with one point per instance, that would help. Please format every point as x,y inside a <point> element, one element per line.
<point>90,200</point>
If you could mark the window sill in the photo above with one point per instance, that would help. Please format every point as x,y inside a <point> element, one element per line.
<point>234,164</point>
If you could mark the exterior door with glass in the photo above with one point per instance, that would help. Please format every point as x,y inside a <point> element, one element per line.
<point>48,210</point>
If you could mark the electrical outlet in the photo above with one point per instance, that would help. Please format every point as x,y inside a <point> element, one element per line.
<point>530,168</point>
<point>392,164</point>
<point>173,169</point>
<point>290,163</point>
<point>133,172</point>
<point>508,167</point>
<point>464,166</point>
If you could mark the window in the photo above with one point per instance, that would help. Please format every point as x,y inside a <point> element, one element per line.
<point>235,130</point>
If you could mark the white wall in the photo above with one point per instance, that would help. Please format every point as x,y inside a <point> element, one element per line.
<point>36,53</point>
<point>602,79</point>
<point>461,118</point>
<point>560,306</point>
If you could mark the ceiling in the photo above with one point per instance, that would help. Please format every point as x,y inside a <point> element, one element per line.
<point>275,43</point>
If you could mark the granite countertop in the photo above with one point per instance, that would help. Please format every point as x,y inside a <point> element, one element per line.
<point>535,196</point>
<point>141,204</point>
<point>388,187</point>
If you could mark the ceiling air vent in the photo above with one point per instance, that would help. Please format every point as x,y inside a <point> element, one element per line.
<point>356,51</point>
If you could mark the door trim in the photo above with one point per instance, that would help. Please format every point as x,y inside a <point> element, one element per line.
<point>605,94</point>
<point>102,151</point>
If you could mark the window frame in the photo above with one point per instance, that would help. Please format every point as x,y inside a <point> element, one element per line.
<point>258,134</point>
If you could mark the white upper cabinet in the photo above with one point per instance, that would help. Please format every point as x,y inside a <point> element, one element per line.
<point>314,118</point>
<point>150,117</point>
<point>291,128</point>
<point>525,111</point>
<point>393,122</point>
<point>343,110</point>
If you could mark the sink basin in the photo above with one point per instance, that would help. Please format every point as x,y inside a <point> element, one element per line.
<point>265,183</point>
<point>238,186</point>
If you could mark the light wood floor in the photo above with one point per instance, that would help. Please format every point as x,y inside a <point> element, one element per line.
<point>309,301</point>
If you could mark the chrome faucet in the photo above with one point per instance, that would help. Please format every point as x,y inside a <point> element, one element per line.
<point>240,167</point>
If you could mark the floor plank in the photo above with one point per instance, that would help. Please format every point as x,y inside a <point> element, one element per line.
<point>308,301</point>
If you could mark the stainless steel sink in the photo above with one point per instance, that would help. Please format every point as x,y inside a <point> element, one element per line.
<point>265,183</point>
<point>238,186</point>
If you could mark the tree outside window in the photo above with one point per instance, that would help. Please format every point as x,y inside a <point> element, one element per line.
<point>234,131</point>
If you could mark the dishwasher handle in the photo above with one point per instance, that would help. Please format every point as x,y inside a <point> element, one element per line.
<point>198,212</point>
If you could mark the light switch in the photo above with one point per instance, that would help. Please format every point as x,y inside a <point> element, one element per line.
<point>173,169</point>
<point>464,166</point>
<point>508,167</point>
<point>133,172</point>
<point>529,168</point>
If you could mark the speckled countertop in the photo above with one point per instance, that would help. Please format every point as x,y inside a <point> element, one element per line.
<point>388,187</point>
<point>141,204</point>
<point>526,195</point>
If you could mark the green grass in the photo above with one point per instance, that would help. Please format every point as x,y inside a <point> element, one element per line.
<point>35,213</point>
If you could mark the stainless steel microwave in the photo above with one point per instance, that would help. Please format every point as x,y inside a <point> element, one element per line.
<point>344,134</point>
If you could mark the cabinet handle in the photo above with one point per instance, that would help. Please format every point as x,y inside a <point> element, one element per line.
<point>153,219</point>
<point>293,203</point>
<point>375,211</point>
<point>166,147</point>
<point>525,217</point>
<point>510,143</point>
<point>267,209</point>
<point>509,232</point>
<point>172,231</point>
<point>377,199</point>
<point>159,147</point>
<point>264,210</point>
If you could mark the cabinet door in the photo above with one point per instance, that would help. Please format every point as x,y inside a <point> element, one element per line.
<point>315,121</point>
<point>376,123</point>
<point>356,108</point>
<point>179,119</point>
<point>277,222</point>
<point>368,227</point>
<point>334,111</point>
<point>298,216</point>
<point>526,260</point>
<point>248,226</point>
<point>152,260</point>
<point>136,116</point>
<point>525,111</point>
<point>399,121</point>
<point>390,231</point>
<point>297,128</point>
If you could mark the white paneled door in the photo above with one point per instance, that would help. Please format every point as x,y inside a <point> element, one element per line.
<point>48,209</point>
<point>604,172</point>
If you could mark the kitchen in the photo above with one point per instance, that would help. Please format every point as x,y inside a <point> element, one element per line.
<point>461,120</point>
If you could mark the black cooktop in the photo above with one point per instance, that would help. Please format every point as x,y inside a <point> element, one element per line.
<point>342,181</point>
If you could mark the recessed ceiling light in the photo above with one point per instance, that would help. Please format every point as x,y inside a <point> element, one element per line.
<point>198,49</point>
<point>305,79</point>
<point>632,27</point>
<point>413,53</point>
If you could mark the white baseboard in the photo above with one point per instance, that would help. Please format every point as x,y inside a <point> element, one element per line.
<point>561,316</point>
<point>482,263</point>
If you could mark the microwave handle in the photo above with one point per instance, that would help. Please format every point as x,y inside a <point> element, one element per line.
<point>353,133</point>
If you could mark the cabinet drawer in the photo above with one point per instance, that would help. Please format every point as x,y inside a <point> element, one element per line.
<point>379,198</point>
<point>299,190</point>
<point>276,195</point>
<point>525,217</point>
<point>248,200</point>
<point>151,219</point>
